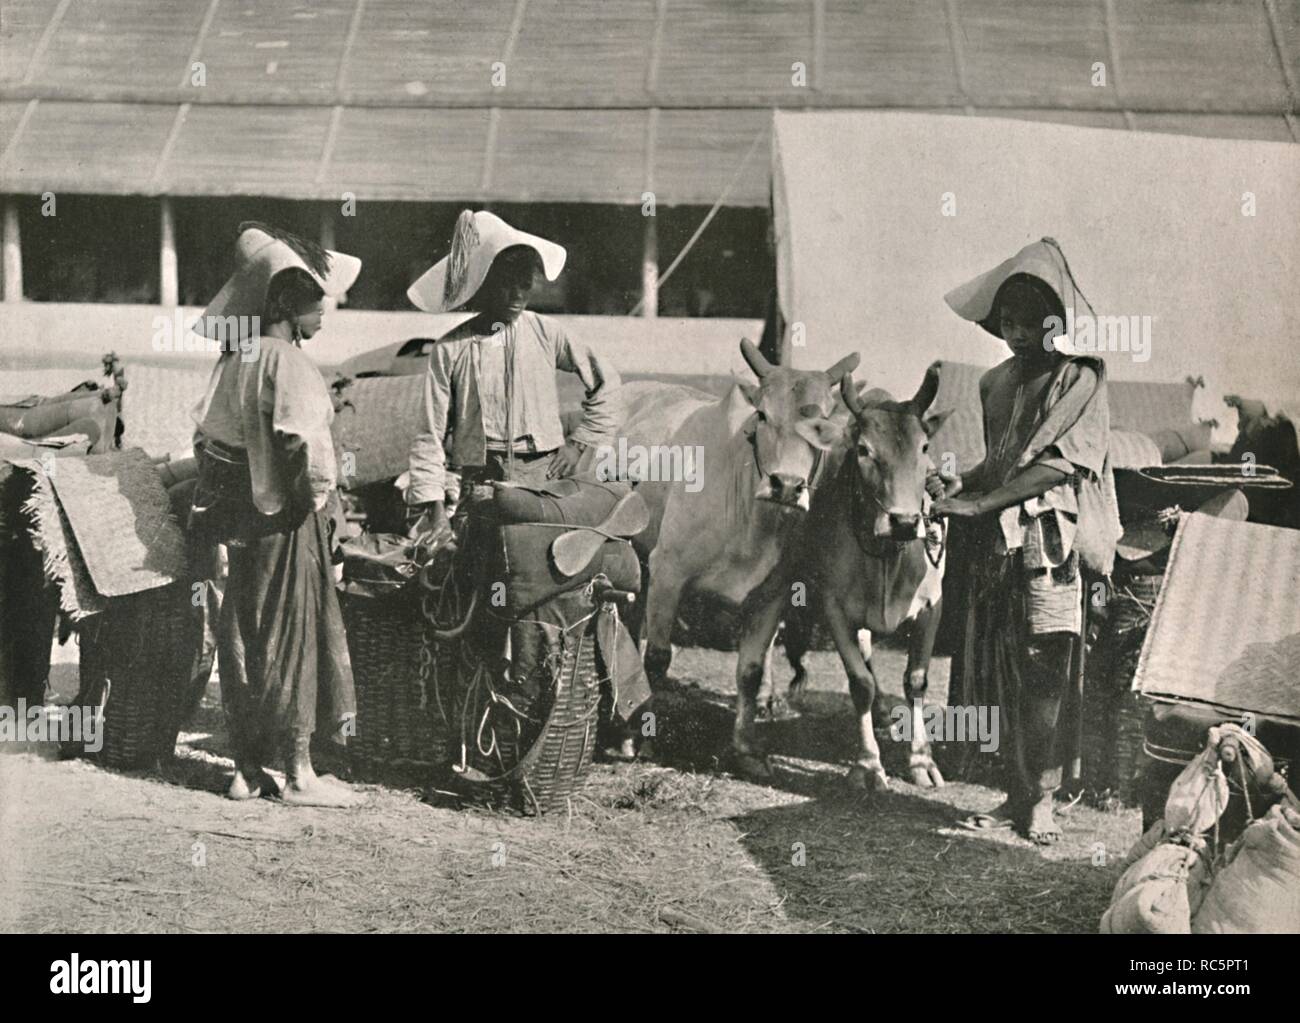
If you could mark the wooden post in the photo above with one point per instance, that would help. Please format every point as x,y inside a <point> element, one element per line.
<point>327,242</point>
<point>13,254</point>
<point>649,268</point>
<point>169,280</point>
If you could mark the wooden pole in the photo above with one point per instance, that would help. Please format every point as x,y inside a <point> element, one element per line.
<point>13,254</point>
<point>169,280</point>
<point>649,268</point>
<point>327,242</point>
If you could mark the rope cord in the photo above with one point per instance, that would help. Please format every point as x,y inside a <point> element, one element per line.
<point>708,218</point>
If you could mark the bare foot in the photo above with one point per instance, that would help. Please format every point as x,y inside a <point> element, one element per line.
<point>316,790</point>
<point>253,786</point>
<point>1043,829</point>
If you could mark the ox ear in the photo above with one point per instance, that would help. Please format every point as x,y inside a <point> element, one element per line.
<point>820,433</point>
<point>846,365</point>
<point>924,397</point>
<point>742,399</point>
<point>934,422</point>
<point>756,360</point>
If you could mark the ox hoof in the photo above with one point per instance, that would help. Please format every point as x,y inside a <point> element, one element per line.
<point>780,709</point>
<point>866,779</point>
<point>752,766</point>
<point>925,774</point>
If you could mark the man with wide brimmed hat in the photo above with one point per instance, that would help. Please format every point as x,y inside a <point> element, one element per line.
<point>1043,507</point>
<point>266,470</point>
<point>490,401</point>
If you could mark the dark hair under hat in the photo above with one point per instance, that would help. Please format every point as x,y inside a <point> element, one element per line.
<point>1044,291</point>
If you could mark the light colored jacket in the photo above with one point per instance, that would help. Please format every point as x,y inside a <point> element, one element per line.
<point>453,427</point>
<point>272,407</point>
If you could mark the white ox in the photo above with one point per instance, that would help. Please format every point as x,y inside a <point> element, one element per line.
<point>723,530</point>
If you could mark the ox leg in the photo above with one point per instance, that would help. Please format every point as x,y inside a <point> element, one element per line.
<point>868,773</point>
<point>757,632</point>
<point>797,637</point>
<point>662,598</point>
<point>665,593</point>
<point>916,681</point>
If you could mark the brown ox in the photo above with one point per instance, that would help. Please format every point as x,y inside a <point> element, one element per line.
<point>723,534</point>
<point>862,553</point>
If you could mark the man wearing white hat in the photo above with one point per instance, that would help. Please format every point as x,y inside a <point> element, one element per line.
<point>266,471</point>
<point>490,401</point>
<point>1043,504</point>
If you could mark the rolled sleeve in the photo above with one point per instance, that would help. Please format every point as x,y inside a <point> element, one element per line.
<point>428,459</point>
<point>602,408</point>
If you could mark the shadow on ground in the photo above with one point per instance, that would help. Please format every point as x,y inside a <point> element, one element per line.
<point>897,862</point>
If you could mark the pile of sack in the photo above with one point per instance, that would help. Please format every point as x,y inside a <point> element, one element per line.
<point>1177,882</point>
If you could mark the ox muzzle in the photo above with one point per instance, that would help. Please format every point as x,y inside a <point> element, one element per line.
<point>785,489</point>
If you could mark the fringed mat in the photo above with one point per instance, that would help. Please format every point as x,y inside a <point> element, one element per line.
<point>104,526</point>
<point>54,538</point>
<point>1226,628</point>
<point>118,509</point>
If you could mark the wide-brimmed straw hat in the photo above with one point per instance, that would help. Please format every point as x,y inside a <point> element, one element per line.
<point>261,252</point>
<point>1152,529</point>
<point>477,240</point>
<point>1042,259</point>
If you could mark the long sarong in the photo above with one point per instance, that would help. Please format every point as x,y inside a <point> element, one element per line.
<point>282,653</point>
<point>281,649</point>
<point>1013,658</point>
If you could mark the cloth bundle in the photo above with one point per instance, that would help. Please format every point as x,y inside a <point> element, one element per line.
<point>1170,884</point>
<point>377,564</point>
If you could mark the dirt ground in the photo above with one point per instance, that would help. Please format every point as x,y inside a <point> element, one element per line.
<point>645,847</point>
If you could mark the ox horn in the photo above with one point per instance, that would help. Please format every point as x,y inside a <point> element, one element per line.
<point>849,392</point>
<point>757,362</point>
<point>925,394</point>
<point>846,365</point>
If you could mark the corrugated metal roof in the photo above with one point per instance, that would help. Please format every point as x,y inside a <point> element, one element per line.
<point>393,100</point>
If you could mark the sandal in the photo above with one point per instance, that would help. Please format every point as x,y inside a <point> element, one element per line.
<point>986,822</point>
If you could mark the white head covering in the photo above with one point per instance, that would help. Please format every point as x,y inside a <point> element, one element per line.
<point>478,239</point>
<point>1042,259</point>
<point>262,252</point>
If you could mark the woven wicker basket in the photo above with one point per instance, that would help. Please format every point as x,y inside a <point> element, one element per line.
<point>536,764</point>
<point>139,652</point>
<point>398,721</point>
<point>1114,716</point>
